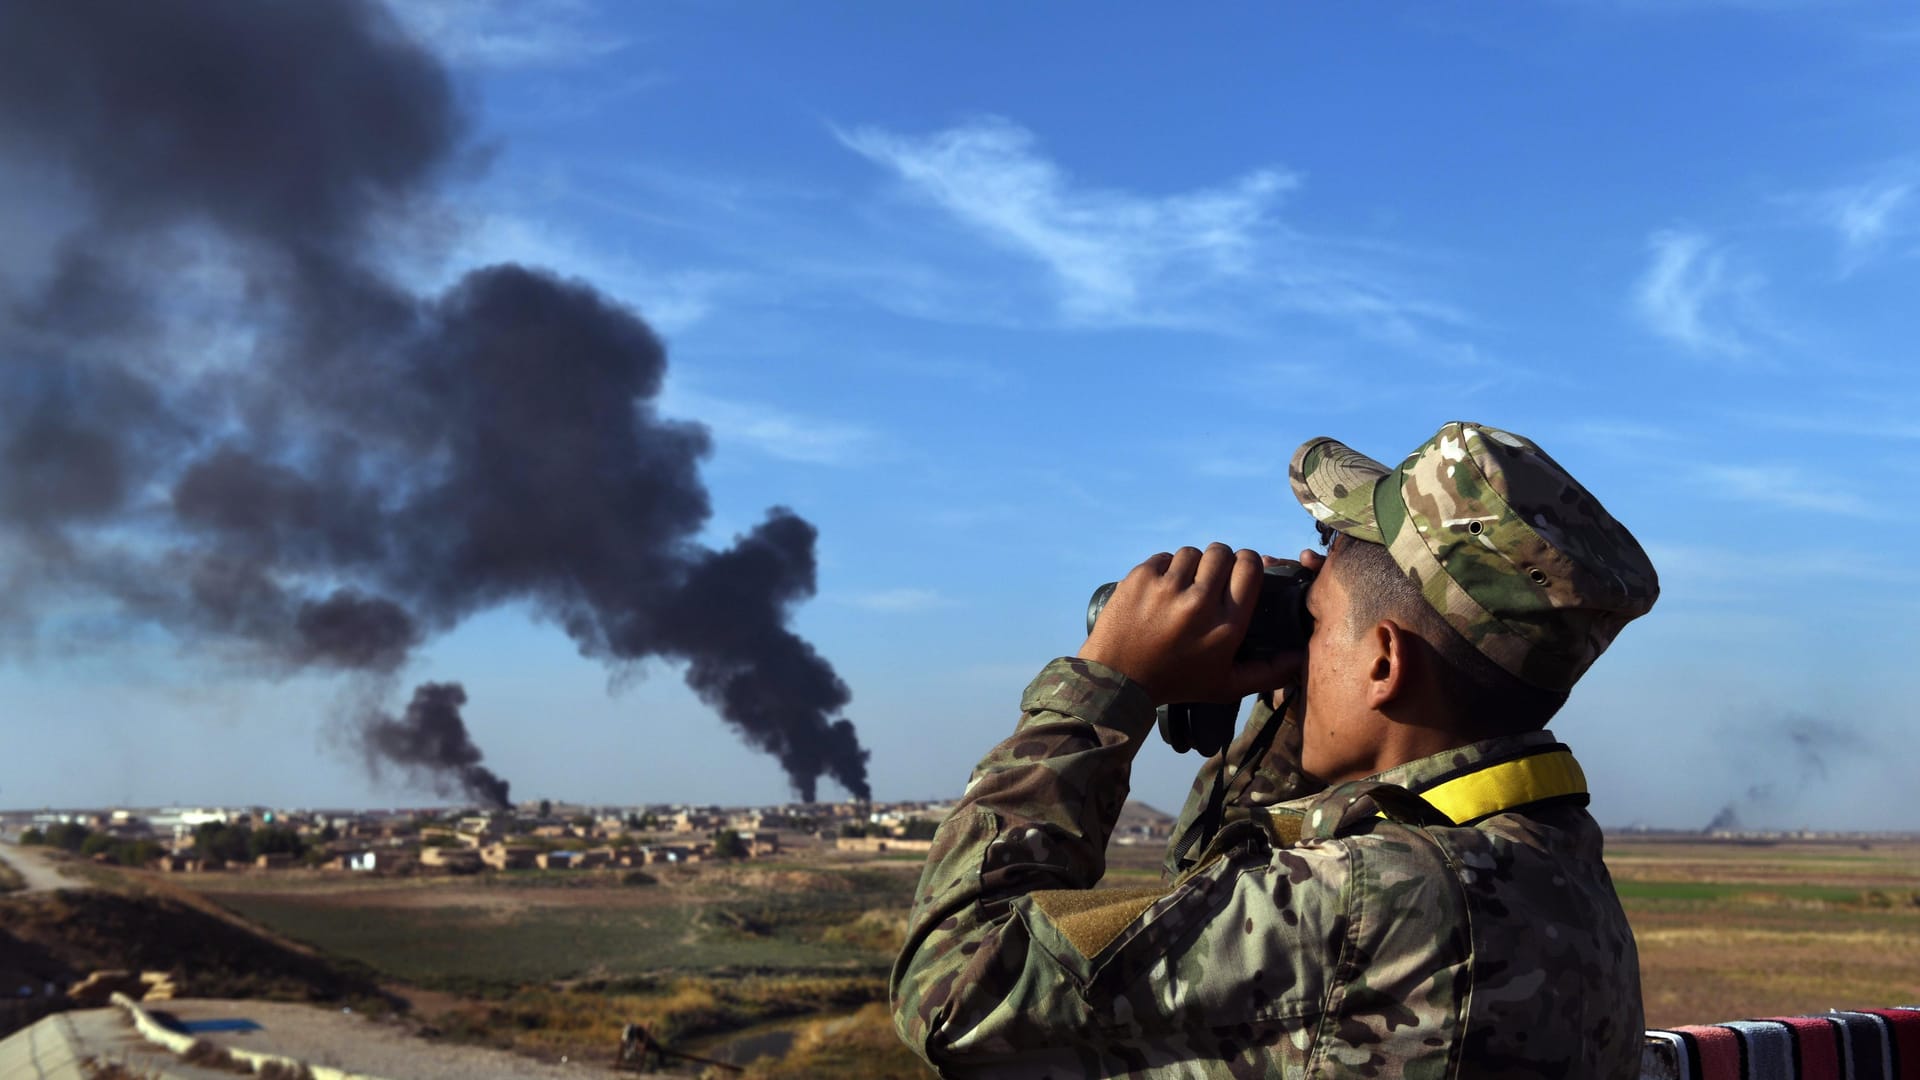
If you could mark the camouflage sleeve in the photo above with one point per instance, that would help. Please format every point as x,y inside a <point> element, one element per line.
<point>1015,963</point>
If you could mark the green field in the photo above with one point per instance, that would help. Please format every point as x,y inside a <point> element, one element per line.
<point>1735,893</point>
<point>502,934</point>
<point>556,963</point>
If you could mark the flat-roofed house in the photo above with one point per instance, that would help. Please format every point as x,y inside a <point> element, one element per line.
<point>509,856</point>
<point>454,860</point>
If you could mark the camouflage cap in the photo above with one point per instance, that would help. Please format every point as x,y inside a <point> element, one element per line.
<point>1518,557</point>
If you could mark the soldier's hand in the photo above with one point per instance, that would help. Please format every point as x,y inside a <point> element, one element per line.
<point>1174,623</point>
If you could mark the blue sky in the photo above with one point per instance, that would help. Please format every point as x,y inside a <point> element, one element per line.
<point>1006,299</point>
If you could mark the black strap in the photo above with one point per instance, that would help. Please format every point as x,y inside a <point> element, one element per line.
<point>1213,816</point>
<point>1209,820</point>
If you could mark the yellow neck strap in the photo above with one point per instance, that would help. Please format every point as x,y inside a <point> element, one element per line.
<point>1507,785</point>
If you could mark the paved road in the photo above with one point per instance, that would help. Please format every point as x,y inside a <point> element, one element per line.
<point>39,874</point>
<point>59,1047</point>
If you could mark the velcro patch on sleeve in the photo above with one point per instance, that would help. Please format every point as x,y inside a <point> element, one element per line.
<point>1091,918</point>
<point>1283,827</point>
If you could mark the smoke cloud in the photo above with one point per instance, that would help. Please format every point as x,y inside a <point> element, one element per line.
<point>1784,756</point>
<point>430,739</point>
<point>220,410</point>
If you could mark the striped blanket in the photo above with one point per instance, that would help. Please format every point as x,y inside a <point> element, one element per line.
<point>1871,1044</point>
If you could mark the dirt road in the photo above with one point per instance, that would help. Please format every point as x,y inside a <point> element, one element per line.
<point>35,869</point>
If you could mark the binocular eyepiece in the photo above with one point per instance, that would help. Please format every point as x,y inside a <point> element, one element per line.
<point>1280,624</point>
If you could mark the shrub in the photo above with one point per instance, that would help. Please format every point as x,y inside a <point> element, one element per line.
<point>68,836</point>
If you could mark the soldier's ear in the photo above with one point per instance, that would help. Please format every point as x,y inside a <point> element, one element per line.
<point>1392,657</point>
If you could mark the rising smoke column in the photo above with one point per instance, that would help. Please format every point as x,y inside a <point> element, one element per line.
<point>430,739</point>
<point>220,410</point>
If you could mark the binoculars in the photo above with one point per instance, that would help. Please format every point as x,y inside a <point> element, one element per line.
<point>1280,624</point>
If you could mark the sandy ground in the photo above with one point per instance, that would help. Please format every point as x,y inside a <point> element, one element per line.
<point>35,868</point>
<point>350,1041</point>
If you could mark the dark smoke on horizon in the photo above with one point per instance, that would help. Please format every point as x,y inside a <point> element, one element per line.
<point>430,740</point>
<point>1790,754</point>
<point>219,408</point>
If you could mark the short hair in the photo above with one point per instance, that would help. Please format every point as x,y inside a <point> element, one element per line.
<point>1485,696</point>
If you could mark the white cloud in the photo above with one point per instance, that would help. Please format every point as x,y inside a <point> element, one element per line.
<point>897,601</point>
<point>1692,294</point>
<point>1871,216</point>
<point>1787,487</point>
<point>772,430</point>
<point>509,33</point>
<point>1105,247</point>
<point>1118,258</point>
<point>1865,214</point>
<point>1619,432</point>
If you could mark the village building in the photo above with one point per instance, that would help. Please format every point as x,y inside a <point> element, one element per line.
<point>501,856</point>
<point>668,853</point>
<point>384,861</point>
<point>696,821</point>
<point>454,860</point>
<point>880,844</point>
<point>487,825</point>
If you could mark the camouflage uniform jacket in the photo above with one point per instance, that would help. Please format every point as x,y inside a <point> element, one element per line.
<point>1314,938</point>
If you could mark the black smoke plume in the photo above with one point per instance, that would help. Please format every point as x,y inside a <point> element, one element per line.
<point>1784,757</point>
<point>1727,819</point>
<point>221,409</point>
<point>430,740</point>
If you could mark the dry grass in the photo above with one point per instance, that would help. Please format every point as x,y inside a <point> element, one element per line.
<point>1729,930</point>
<point>863,1044</point>
<point>586,1022</point>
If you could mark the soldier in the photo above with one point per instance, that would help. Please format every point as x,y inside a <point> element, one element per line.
<point>1394,874</point>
